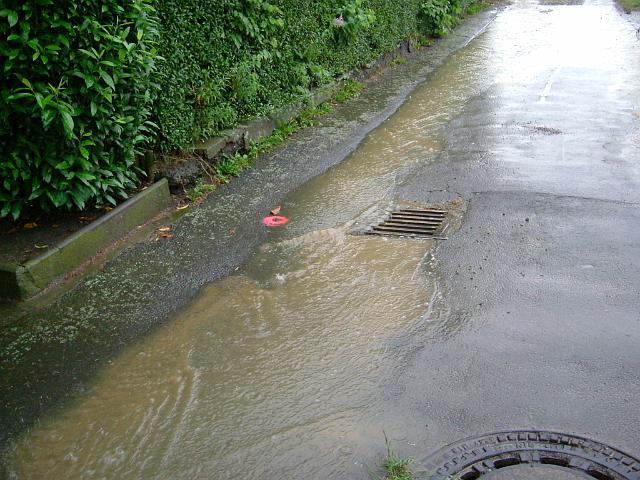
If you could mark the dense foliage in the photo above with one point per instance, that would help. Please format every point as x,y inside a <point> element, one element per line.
<point>229,60</point>
<point>76,92</point>
<point>80,78</point>
<point>439,15</point>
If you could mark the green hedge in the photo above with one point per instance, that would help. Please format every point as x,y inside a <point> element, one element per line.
<point>217,71</point>
<point>75,95</point>
<point>78,92</point>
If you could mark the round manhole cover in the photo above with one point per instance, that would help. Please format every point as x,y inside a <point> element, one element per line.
<point>531,455</point>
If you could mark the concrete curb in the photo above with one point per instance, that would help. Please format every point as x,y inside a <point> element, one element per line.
<point>25,280</point>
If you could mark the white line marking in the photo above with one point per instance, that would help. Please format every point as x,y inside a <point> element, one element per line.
<point>547,88</point>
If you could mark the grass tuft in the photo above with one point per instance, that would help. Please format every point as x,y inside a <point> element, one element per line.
<point>396,467</point>
<point>350,89</point>
<point>630,5</point>
<point>476,7</point>
<point>200,190</point>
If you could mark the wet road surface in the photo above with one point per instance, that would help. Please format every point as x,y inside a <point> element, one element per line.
<point>527,316</point>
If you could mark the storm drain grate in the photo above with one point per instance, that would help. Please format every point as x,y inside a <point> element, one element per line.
<point>531,455</point>
<point>411,222</point>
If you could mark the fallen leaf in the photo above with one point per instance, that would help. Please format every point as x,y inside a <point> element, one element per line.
<point>232,231</point>
<point>41,246</point>
<point>55,225</point>
<point>182,207</point>
<point>276,210</point>
<point>165,235</point>
<point>89,218</point>
<point>164,229</point>
<point>31,225</point>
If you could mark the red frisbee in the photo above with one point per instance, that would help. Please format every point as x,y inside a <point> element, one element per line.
<point>274,221</point>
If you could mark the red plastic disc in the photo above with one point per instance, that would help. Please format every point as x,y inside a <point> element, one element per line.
<point>274,221</point>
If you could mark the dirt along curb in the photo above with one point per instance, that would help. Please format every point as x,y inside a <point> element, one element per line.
<point>48,354</point>
<point>23,280</point>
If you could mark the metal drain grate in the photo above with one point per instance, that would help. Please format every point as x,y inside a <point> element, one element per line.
<point>531,455</point>
<point>411,222</point>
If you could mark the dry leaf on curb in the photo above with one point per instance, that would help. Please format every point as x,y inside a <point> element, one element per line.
<point>164,229</point>
<point>182,207</point>
<point>41,246</point>
<point>276,210</point>
<point>165,235</point>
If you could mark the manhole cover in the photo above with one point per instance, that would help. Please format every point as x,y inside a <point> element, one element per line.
<point>410,222</point>
<point>525,455</point>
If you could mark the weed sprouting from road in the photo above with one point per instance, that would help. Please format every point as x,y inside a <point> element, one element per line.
<point>396,467</point>
<point>476,7</point>
<point>350,89</point>
<point>630,5</point>
<point>200,190</point>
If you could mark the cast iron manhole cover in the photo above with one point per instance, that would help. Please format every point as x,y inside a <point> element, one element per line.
<point>524,455</point>
<point>410,222</point>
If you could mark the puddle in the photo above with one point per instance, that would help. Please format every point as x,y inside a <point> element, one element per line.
<point>290,347</point>
<point>274,372</point>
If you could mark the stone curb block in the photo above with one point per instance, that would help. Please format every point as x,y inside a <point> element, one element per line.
<point>25,280</point>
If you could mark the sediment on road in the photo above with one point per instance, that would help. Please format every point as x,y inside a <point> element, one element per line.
<point>49,354</point>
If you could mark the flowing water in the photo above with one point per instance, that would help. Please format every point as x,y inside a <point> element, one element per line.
<point>282,370</point>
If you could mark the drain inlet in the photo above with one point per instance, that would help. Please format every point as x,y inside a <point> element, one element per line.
<point>411,222</point>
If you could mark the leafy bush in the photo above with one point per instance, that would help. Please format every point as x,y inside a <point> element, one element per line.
<point>353,20</point>
<point>80,80</point>
<point>75,98</point>
<point>440,15</point>
<point>226,61</point>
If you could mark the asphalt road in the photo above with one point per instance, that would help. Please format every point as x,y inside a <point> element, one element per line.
<point>543,280</point>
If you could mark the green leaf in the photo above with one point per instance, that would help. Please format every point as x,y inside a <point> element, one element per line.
<point>67,121</point>
<point>35,194</point>
<point>107,78</point>
<point>77,199</point>
<point>12,16</point>
<point>5,210</point>
<point>17,96</point>
<point>16,209</point>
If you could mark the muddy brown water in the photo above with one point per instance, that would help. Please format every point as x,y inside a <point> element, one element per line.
<point>279,371</point>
